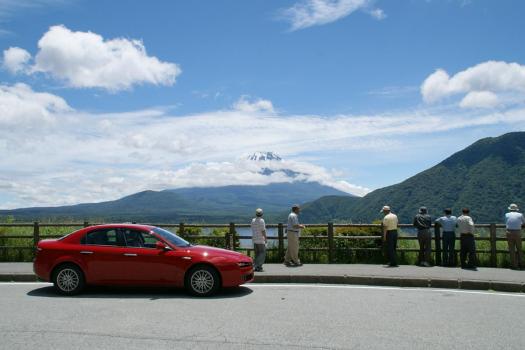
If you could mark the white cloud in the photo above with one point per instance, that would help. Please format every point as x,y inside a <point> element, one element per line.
<point>22,108</point>
<point>16,59</point>
<point>479,99</point>
<point>308,13</point>
<point>87,60</point>
<point>258,105</point>
<point>482,84</point>
<point>51,154</point>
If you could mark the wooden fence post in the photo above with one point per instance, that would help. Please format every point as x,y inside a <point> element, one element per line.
<point>181,229</point>
<point>437,239</point>
<point>36,233</point>
<point>331,250</point>
<point>86,224</point>
<point>280,235</point>
<point>232,236</point>
<point>493,255</point>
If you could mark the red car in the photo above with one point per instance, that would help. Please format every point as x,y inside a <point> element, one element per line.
<point>125,254</point>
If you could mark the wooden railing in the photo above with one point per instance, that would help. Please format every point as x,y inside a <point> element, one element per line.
<point>231,236</point>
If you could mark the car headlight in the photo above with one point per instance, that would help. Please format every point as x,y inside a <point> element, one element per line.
<point>244,264</point>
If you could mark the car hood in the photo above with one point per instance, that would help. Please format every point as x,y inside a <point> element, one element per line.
<point>213,251</point>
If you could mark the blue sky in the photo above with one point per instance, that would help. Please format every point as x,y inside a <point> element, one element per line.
<point>346,90</point>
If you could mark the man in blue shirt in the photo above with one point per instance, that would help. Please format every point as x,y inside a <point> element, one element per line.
<point>448,226</point>
<point>514,221</point>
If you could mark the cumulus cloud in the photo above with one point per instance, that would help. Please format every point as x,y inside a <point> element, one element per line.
<point>258,105</point>
<point>482,84</point>
<point>21,107</point>
<point>87,60</point>
<point>51,154</point>
<point>16,59</point>
<point>308,13</point>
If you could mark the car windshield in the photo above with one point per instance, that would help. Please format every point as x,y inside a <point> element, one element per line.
<point>171,237</point>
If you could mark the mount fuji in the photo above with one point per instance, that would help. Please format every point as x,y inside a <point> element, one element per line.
<point>277,185</point>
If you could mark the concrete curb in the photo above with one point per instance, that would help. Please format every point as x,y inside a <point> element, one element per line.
<point>512,287</point>
<point>509,287</point>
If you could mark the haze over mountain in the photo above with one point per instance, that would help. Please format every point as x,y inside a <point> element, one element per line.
<point>199,204</point>
<point>486,177</point>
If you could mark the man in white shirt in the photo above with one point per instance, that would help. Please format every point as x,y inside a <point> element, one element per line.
<point>514,221</point>
<point>390,223</point>
<point>467,243</point>
<point>259,240</point>
<point>293,231</point>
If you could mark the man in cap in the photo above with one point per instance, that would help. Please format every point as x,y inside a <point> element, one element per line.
<point>423,222</point>
<point>259,240</point>
<point>293,232</point>
<point>390,223</point>
<point>448,226</point>
<point>467,243</point>
<point>514,222</point>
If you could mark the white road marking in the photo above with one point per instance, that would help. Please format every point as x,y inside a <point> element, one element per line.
<point>343,286</point>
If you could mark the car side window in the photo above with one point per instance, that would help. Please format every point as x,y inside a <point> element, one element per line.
<point>110,237</point>
<point>139,239</point>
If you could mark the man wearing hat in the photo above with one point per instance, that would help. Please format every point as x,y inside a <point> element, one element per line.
<point>293,231</point>
<point>259,240</point>
<point>423,222</point>
<point>390,223</point>
<point>515,221</point>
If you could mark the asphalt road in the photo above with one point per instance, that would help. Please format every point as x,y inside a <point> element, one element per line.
<point>260,316</point>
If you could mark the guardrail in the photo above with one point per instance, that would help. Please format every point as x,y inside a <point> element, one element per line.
<point>231,236</point>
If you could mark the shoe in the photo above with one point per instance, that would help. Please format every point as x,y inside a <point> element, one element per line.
<point>288,264</point>
<point>298,264</point>
<point>393,265</point>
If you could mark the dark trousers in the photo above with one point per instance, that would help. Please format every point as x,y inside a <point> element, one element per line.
<point>391,246</point>
<point>425,242</point>
<point>449,246</point>
<point>468,247</point>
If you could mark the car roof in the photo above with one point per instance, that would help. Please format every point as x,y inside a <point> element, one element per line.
<point>124,225</point>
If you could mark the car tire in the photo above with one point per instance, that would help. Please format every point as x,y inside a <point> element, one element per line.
<point>202,281</point>
<point>68,279</point>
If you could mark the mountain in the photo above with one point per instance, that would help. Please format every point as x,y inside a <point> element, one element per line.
<point>486,177</point>
<point>197,204</point>
<point>206,204</point>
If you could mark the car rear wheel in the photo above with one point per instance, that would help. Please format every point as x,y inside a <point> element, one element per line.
<point>202,281</point>
<point>68,280</point>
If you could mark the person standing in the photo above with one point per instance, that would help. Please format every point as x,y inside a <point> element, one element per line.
<point>293,232</point>
<point>423,222</point>
<point>514,221</point>
<point>448,227</point>
<point>259,240</point>
<point>467,243</point>
<point>390,223</point>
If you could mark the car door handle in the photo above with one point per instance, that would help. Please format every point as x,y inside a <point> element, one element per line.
<point>130,254</point>
<point>186,257</point>
<point>85,252</point>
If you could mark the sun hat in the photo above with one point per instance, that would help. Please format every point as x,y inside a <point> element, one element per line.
<point>513,207</point>
<point>259,212</point>
<point>385,208</point>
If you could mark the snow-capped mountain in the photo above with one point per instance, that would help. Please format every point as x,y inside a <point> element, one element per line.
<point>262,156</point>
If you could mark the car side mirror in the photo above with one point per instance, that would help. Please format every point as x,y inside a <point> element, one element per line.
<point>161,246</point>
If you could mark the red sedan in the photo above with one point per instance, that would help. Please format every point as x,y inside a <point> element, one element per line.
<point>125,254</point>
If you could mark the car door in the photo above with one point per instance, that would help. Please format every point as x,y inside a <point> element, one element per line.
<point>146,264</point>
<point>101,252</point>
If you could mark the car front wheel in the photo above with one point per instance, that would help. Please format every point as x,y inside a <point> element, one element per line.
<point>68,280</point>
<point>202,281</point>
